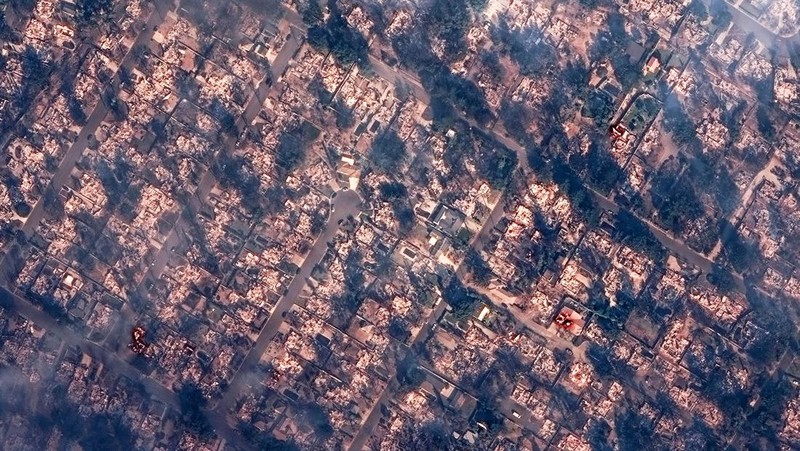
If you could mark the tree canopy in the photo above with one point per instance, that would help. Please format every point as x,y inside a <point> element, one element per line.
<point>462,299</point>
<point>91,12</point>
<point>388,151</point>
<point>192,403</point>
<point>477,266</point>
<point>678,123</point>
<point>637,234</point>
<point>347,45</point>
<point>496,164</point>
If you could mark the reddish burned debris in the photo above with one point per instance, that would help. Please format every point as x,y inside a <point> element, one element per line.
<point>137,344</point>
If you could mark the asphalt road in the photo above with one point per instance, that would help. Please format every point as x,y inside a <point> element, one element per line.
<point>346,203</point>
<point>750,24</point>
<point>290,47</point>
<point>485,233</point>
<point>381,69</point>
<point>675,245</point>
<point>396,76</point>
<point>111,362</point>
<point>208,181</point>
<point>94,120</point>
<point>374,415</point>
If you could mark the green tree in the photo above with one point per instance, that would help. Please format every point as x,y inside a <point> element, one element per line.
<point>678,123</point>
<point>677,202</point>
<point>448,20</point>
<point>741,254</point>
<point>409,374</point>
<point>347,45</point>
<point>720,15</point>
<point>525,47</point>
<point>698,8</point>
<point>91,12</point>
<point>463,300</point>
<point>637,234</point>
<point>192,403</point>
<point>496,164</point>
<point>477,266</point>
<point>603,170</point>
<point>765,125</point>
<point>721,278</point>
<point>312,13</point>
<point>388,152</point>
<point>315,416</point>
